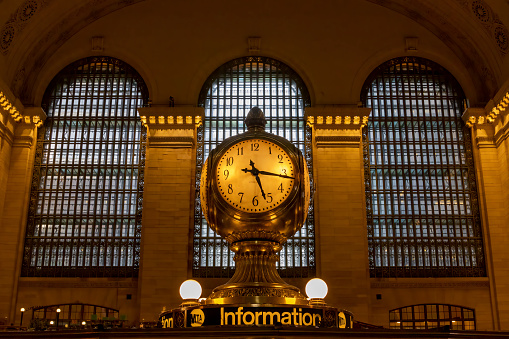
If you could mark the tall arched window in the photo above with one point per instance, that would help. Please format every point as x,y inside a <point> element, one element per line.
<point>422,207</point>
<point>87,189</point>
<point>228,95</point>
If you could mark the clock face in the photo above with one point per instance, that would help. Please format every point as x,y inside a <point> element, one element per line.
<point>255,175</point>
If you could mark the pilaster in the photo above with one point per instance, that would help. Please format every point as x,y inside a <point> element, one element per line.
<point>19,136</point>
<point>167,205</point>
<point>490,130</point>
<point>340,206</point>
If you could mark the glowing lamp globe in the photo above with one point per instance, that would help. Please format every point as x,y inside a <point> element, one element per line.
<point>190,289</point>
<point>316,288</point>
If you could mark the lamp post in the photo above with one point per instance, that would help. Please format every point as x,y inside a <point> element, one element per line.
<point>58,315</point>
<point>21,321</point>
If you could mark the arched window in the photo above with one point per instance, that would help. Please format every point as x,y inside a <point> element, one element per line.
<point>422,207</point>
<point>72,316</point>
<point>430,316</point>
<point>228,95</point>
<point>86,196</point>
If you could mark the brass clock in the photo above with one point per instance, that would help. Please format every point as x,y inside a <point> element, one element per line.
<point>255,194</point>
<point>255,182</point>
<point>255,175</point>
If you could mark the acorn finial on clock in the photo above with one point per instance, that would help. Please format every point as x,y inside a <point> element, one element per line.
<point>255,119</point>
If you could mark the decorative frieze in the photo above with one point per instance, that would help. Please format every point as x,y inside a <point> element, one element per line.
<point>489,123</point>
<point>171,127</point>
<point>337,126</point>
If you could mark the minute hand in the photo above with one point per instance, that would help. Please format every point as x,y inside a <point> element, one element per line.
<point>274,174</point>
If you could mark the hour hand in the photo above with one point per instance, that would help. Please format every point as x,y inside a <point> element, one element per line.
<point>275,174</point>
<point>260,184</point>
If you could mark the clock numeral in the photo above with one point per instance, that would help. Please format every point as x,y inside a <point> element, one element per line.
<point>270,150</point>
<point>280,157</point>
<point>269,196</point>
<point>230,189</point>
<point>255,147</point>
<point>240,151</point>
<point>280,188</point>
<point>241,196</point>
<point>284,171</point>
<point>227,173</point>
<point>255,201</point>
<point>229,161</point>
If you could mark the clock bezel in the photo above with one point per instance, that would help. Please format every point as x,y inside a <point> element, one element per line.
<point>278,210</point>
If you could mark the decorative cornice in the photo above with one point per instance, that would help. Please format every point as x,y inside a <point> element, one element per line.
<point>488,114</point>
<point>171,117</point>
<point>337,117</point>
<point>28,115</point>
<point>490,122</point>
<point>431,284</point>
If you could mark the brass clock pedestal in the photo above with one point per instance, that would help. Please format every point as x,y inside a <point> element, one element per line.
<point>256,280</point>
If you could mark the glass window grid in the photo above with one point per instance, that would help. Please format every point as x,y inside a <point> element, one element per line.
<point>431,316</point>
<point>422,212</point>
<point>228,95</point>
<point>86,196</point>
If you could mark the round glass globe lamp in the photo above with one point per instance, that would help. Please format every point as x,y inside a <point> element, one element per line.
<point>190,289</point>
<point>316,288</point>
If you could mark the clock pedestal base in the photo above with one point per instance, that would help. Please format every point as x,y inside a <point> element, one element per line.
<point>256,279</point>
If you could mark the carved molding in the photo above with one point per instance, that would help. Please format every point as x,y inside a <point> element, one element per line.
<point>6,134</point>
<point>23,141</point>
<point>431,284</point>
<point>256,292</point>
<point>170,142</point>
<point>266,235</point>
<point>338,141</point>
<point>78,284</point>
<point>501,134</point>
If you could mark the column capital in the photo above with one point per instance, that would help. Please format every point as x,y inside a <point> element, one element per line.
<point>172,127</point>
<point>337,125</point>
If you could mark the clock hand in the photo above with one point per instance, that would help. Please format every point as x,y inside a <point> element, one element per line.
<point>260,184</point>
<point>254,171</point>
<point>274,174</point>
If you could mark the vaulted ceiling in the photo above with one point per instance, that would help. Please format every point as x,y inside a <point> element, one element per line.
<point>176,44</point>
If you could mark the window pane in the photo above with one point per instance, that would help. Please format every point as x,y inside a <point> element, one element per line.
<point>85,207</point>
<point>423,218</point>
<point>228,95</point>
